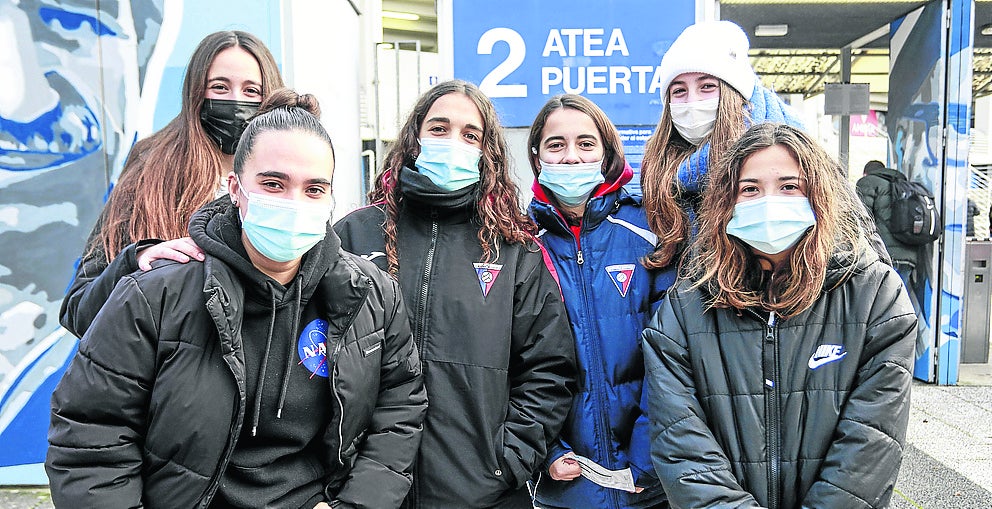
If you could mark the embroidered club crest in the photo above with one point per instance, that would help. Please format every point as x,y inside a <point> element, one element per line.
<point>621,274</point>
<point>487,273</point>
<point>312,348</point>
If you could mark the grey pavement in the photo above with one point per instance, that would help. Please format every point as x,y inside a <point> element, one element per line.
<point>947,464</point>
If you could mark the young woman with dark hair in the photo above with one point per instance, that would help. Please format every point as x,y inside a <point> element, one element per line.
<point>172,173</point>
<point>596,236</point>
<point>486,311</point>
<point>279,372</point>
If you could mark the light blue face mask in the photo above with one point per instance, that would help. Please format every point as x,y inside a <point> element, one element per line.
<point>451,165</point>
<point>772,224</point>
<point>571,183</point>
<point>283,230</point>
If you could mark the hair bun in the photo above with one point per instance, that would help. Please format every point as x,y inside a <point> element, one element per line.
<point>289,98</point>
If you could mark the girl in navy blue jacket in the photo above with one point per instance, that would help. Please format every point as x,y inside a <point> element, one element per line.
<point>596,235</point>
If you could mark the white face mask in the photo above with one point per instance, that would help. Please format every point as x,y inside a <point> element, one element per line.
<point>694,121</point>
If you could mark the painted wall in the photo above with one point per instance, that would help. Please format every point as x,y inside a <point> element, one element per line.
<point>927,123</point>
<point>84,81</point>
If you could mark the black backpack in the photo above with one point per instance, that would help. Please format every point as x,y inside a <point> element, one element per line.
<point>915,220</point>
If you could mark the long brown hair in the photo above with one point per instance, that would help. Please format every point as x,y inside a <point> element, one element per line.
<point>497,209</point>
<point>728,269</point>
<point>613,161</point>
<point>664,199</point>
<point>173,172</point>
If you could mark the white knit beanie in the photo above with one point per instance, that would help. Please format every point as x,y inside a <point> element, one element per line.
<point>717,48</point>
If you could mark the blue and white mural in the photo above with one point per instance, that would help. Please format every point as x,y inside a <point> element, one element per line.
<point>81,81</point>
<point>924,104</point>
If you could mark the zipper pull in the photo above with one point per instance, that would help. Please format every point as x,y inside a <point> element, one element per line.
<point>769,331</point>
<point>579,258</point>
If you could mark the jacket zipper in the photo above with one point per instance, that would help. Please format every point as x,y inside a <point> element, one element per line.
<point>422,326</point>
<point>600,399</point>
<point>333,363</point>
<point>211,490</point>
<point>773,410</point>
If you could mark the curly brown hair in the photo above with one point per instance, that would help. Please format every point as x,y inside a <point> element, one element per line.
<point>664,200</point>
<point>729,270</point>
<point>497,209</point>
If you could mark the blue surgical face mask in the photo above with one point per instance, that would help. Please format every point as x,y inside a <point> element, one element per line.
<point>283,230</point>
<point>772,224</point>
<point>451,165</point>
<point>571,183</point>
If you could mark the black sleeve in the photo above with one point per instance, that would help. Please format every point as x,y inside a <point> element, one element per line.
<point>693,468</point>
<point>542,374</point>
<point>94,280</point>
<point>99,408</point>
<point>382,474</point>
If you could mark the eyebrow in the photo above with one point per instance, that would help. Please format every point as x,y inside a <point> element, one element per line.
<point>562,138</point>
<point>227,80</point>
<point>447,120</point>
<point>780,179</point>
<point>285,176</point>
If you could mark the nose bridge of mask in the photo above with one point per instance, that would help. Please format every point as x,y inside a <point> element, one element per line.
<point>285,214</point>
<point>573,168</point>
<point>458,149</point>
<point>571,183</point>
<point>696,113</point>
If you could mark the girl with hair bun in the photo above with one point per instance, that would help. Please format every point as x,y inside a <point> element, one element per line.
<point>278,372</point>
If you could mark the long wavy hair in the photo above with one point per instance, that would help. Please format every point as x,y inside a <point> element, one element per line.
<point>176,170</point>
<point>664,199</point>
<point>497,208</point>
<point>613,160</point>
<point>729,270</point>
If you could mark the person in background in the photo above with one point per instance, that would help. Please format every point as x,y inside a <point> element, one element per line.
<point>779,369</point>
<point>875,191</point>
<point>175,171</point>
<point>486,310</point>
<point>596,235</point>
<point>710,95</point>
<point>973,210</point>
<point>279,372</point>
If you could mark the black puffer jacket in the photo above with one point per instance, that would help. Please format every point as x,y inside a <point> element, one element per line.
<point>751,411</point>
<point>496,345</point>
<point>149,410</point>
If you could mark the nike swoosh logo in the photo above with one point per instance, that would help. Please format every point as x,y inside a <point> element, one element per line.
<point>815,363</point>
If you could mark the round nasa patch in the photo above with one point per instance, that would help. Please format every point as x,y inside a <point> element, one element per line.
<point>312,348</point>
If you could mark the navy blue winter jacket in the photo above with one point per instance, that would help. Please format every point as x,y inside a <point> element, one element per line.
<point>610,297</point>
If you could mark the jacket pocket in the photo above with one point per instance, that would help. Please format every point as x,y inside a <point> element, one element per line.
<point>371,344</point>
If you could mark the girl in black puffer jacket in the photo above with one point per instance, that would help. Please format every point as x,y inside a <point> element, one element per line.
<point>279,372</point>
<point>778,369</point>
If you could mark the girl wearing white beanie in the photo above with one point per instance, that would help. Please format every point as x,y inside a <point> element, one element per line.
<point>710,95</point>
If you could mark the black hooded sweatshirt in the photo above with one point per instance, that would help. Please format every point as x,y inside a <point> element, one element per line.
<point>275,462</point>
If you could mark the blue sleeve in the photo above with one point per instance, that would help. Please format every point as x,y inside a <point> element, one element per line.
<point>693,169</point>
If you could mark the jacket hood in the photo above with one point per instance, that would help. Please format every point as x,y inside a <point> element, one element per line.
<point>216,228</point>
<point>889,172</point>
<point>847,260</point>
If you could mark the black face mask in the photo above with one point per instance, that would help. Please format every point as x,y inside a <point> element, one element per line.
<point>225,120</point>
